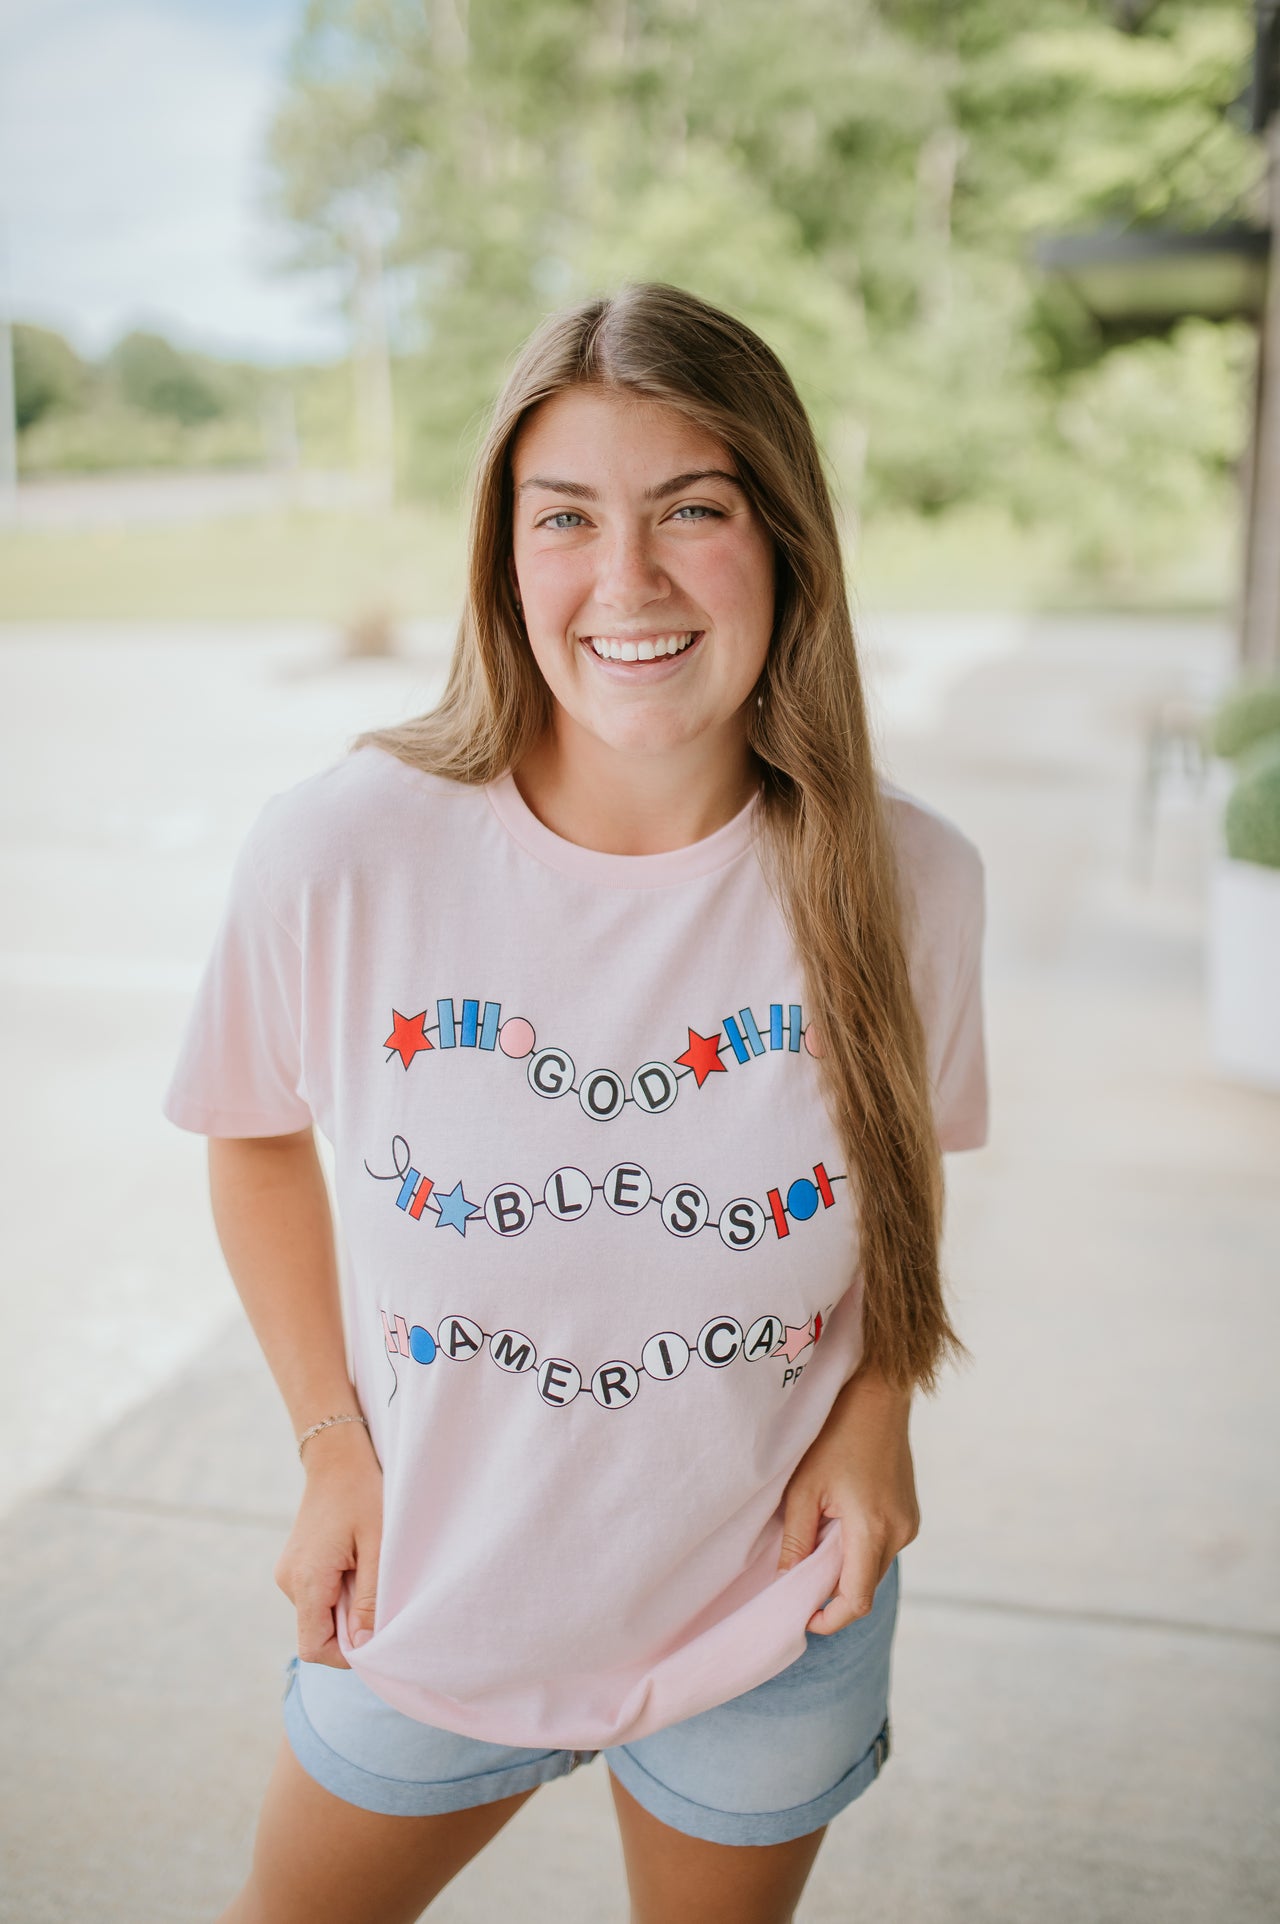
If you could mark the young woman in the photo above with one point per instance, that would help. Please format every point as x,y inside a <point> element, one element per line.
<point>637,1010</point>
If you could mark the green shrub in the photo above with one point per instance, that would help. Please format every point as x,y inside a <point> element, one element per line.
<point>157,378</point>
<point>1249,713</point>
<point>1253,807</point>
<point>110,437</point>
<point>48,374</point>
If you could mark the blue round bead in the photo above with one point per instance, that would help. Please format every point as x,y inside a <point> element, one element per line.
<point>802,1200</point>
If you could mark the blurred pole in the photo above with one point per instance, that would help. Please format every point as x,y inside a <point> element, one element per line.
<point>278,416</point>
<point>937,165</point>
<point>374,400</point>
<point>1260,624</point>
<point>451,31</point>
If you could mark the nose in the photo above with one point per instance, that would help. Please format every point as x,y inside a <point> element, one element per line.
<point>630,577</point>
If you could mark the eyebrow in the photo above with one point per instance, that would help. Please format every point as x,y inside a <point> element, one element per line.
<point>578,491</point>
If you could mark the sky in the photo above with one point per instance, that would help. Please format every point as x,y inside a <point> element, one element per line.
<point>131,170</point>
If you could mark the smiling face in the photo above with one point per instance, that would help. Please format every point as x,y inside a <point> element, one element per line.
<point>645,574</point>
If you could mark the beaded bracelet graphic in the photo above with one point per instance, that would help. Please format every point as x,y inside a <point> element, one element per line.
<point>721,1341</point>
<point>603,1094</point>
<point>627,1188</point>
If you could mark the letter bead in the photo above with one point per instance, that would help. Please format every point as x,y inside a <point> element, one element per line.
<point>568,1194</point>
<point>550,1073</point>
<point>654,1087</point>
<point>763,1338</point>
<point>614,1385</point>
<point>512,1351</point>
<point>742,1223</point>
<point>602,1095</point>
<point>685,1209</point>
<point>558,1381</point>
<point>720,1341</point>
<point>665,1356</point>
<point>627,1188</point>
<point>458,1338</point>
<point>508,1209</point>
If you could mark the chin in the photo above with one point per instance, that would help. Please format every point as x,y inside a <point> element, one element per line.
<point>647,741</point>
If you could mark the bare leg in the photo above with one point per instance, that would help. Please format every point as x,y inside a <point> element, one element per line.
<point>674,1879</point>
<point>318,1860</point>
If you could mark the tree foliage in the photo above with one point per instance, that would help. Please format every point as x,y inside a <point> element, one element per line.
<point>859,179</point>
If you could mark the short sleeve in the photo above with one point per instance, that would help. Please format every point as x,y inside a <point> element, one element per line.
<point>959,1056</point>
<point>239,1068</point>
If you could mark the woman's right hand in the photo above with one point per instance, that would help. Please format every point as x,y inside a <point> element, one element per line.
<point>338,1529</point>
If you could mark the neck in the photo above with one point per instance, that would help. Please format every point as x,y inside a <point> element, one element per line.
<point>631,803</point>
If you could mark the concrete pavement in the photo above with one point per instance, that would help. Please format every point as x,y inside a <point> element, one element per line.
<point>1086,1698</point>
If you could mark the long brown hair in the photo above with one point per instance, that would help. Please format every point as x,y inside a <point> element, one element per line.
<point>824,840</point>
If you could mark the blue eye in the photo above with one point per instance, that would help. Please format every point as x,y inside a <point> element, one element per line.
<point>696,508</point>
<point>563,515</point>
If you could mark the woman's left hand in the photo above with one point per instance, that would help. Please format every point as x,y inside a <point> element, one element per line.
<point>857,1468</point>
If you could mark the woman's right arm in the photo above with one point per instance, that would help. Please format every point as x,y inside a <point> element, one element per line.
<point>271,1211</point>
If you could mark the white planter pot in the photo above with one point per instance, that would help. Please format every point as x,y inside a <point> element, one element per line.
<point>1244,971</point>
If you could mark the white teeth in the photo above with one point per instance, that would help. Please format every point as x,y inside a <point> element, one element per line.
<point>609,649</point>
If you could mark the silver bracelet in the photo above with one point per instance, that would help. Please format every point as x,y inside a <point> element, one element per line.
<point>327,1423</point>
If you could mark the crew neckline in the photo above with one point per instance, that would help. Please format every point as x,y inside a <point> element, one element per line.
<point>724,845</point>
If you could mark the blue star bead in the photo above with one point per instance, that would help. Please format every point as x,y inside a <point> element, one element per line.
<point>454,1210</point>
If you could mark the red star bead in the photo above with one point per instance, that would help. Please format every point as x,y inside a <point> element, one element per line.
<point>408,1036</point>
<point>702,1056</point>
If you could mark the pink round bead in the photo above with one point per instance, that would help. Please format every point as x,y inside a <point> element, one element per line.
<point>516,1037</point>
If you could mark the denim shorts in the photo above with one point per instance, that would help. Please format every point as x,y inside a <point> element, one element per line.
<point>773,1764</point>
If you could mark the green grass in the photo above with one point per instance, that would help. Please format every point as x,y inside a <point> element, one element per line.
<point>974,558</point>
<point>334,567</point>
<point>341,566</point>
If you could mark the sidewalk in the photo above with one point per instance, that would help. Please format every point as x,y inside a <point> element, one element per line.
<point>1086,1706</point>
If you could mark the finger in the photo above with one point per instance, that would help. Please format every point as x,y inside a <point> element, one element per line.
<point>801,1516</point>
<point>317,1633</point>
<point>332,1655</point>
<point>855,1595</point>
<point>364,1592</point>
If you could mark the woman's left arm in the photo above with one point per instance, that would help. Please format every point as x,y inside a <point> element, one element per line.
<point>857,1468</point>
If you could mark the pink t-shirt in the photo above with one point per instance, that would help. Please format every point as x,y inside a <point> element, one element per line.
<point>597,1248</point>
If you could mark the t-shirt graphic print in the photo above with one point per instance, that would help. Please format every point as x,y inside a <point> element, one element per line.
<point>626,1188</point>
<point>599,1253</point>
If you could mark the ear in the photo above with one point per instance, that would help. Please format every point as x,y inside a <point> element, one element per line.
<point>515,583</point>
